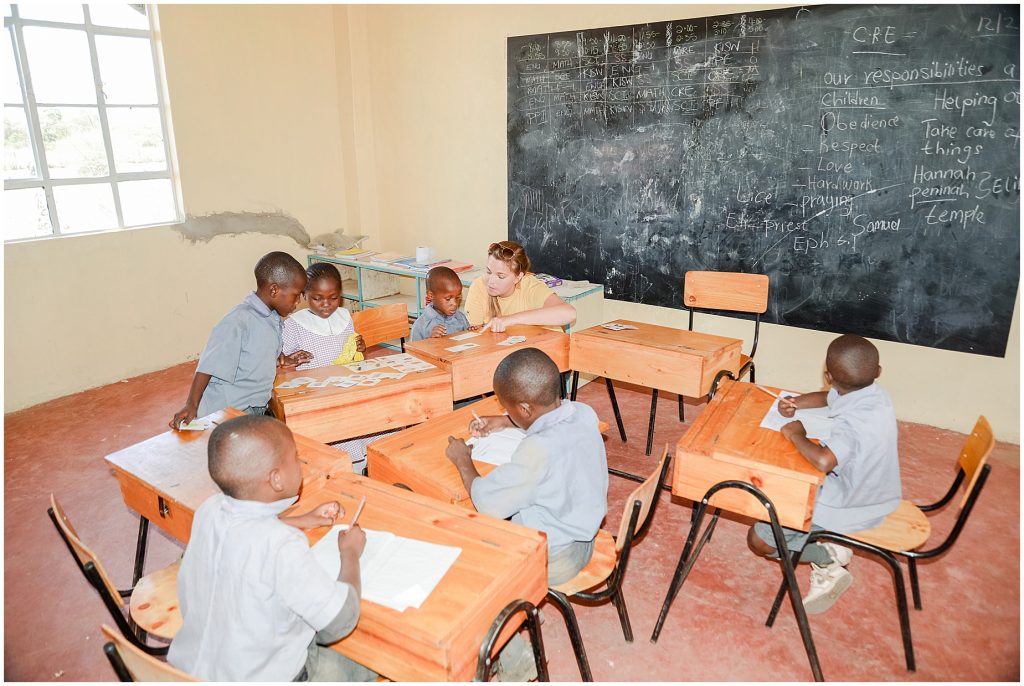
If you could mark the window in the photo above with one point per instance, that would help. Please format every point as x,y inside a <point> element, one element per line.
<point>86,144</point>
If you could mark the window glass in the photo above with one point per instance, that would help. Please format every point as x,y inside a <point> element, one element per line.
<point>137,137</point>
<point>25,214</point>
<point>19,161</point>
<point>147,202</point>
<point>52,11</point>
<point>126,70</point>
<point>119,14</point>
<point>60,66</point>
<point>12,85</point>
<point>85,207</point>
<point>73,141</point>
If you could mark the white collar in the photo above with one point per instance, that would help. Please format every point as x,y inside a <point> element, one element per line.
<point>332,326</point>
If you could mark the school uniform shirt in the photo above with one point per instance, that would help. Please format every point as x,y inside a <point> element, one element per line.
<point>324,338</point>
<point>530,294</point>
<point>252,596</point>
<point>557,480</point>
<point>865,485</point>
<point>241,357</point>
<point>430,318</point>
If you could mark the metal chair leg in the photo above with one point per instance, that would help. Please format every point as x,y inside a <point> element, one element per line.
<point>620,605</point>
<point>681,417</point>
<point>140,550</point>
<point>561,385</point>
<point>685,564</point>
<point>575,385</point>
<point>615,409</point>
<point>752,373</point>
<point>484,659</point>
<point>915,589</point>
<point>574,632</point>
<point>650,426</point>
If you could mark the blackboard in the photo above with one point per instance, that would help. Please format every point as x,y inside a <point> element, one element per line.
<point>865,157</point>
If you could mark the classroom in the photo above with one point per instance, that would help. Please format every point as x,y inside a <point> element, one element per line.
<point>407,124</point>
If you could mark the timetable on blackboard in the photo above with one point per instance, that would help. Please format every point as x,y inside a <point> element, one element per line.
<point>865,157</point>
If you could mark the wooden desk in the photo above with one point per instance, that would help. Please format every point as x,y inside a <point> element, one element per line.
<point>726,442</point>
<point>472,370</point>
<point>674,360</point>
<point>334,414</point>
<point>415,457</point>
<point>165,478</point>
<point>439,641</point>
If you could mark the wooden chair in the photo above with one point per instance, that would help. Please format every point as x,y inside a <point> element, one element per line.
<point>154,598</point>
<point>384,323</point>
<point>907,529</point>
<point>730,292</point>
<point>132,664</point>
<point>608,564</point>
<point>510,612</point>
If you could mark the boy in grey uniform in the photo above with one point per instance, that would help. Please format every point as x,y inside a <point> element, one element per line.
<point>556,481</point>
<point>860,460</point>
<point>238,365</point>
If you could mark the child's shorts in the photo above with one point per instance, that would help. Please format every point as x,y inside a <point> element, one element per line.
<point>795,540</point>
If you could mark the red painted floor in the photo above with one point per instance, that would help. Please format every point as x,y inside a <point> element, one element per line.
<point>969,629</point>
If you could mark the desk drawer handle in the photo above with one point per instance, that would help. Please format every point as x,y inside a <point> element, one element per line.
<point>162,507</point>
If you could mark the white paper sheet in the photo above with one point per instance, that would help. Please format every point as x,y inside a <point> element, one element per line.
<point>497,447</point>
<point>816,421</point>
<point>396,572</point>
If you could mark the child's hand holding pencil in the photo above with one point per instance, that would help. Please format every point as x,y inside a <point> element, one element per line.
<point>787,403</point>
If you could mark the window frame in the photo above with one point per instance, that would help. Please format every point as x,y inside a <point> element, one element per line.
<point>15,24</point>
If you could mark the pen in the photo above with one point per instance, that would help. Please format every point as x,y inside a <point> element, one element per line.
<point>359,511</point>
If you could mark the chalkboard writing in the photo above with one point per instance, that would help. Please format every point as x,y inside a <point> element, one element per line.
<point>865,157</point>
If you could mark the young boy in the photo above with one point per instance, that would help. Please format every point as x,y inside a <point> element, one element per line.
<point>860,460</point>
<point>238,365</point>
<point>442,316</point>
<point>255,603</point>
<point>556,482</point>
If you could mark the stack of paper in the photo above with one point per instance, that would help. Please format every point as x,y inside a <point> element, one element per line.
<point>355,253</point>
<point>497,447</point>
<point>396,572</point>
<point>816,421</point>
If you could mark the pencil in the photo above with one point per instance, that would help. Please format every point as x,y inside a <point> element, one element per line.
<point>359,511</point>
<point>772,394</point>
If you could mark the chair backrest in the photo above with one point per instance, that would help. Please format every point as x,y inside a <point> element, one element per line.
<point>974,454</point>
<point>645,493</point>
<point>80,551</point>
<point>129,661</point>
<point>733,291</point>
<point>384,323</point>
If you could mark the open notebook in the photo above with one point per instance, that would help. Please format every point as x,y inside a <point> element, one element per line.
<point>396,572</point>
<point>816,421</point>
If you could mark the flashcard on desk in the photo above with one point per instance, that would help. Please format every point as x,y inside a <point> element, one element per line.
<point>368,382</point>
<point>365,365</point>
<point>461,348</point>
<point>319,384</point>
<point>512,340</point>
<point>296,382</point>
<point>464,336</point>
<point>196,425</point>
<point>617,327</point>
<point>348,382</point>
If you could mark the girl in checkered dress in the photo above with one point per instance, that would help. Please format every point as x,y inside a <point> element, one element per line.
<point>325,329</point>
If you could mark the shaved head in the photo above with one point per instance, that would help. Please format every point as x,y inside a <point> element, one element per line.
<point>443,279</point>
<point>280,268</point>
<point>527,376</point>
<point>852,361</point>
<point>242,452</point>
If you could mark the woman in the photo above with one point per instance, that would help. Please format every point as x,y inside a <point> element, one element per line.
<point>508,294</point>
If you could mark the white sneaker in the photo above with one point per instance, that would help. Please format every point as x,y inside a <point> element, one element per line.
<point>840,554</point>
<point>827,584</point>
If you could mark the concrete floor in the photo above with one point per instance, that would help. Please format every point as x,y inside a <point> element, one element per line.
<point>969,629</point>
